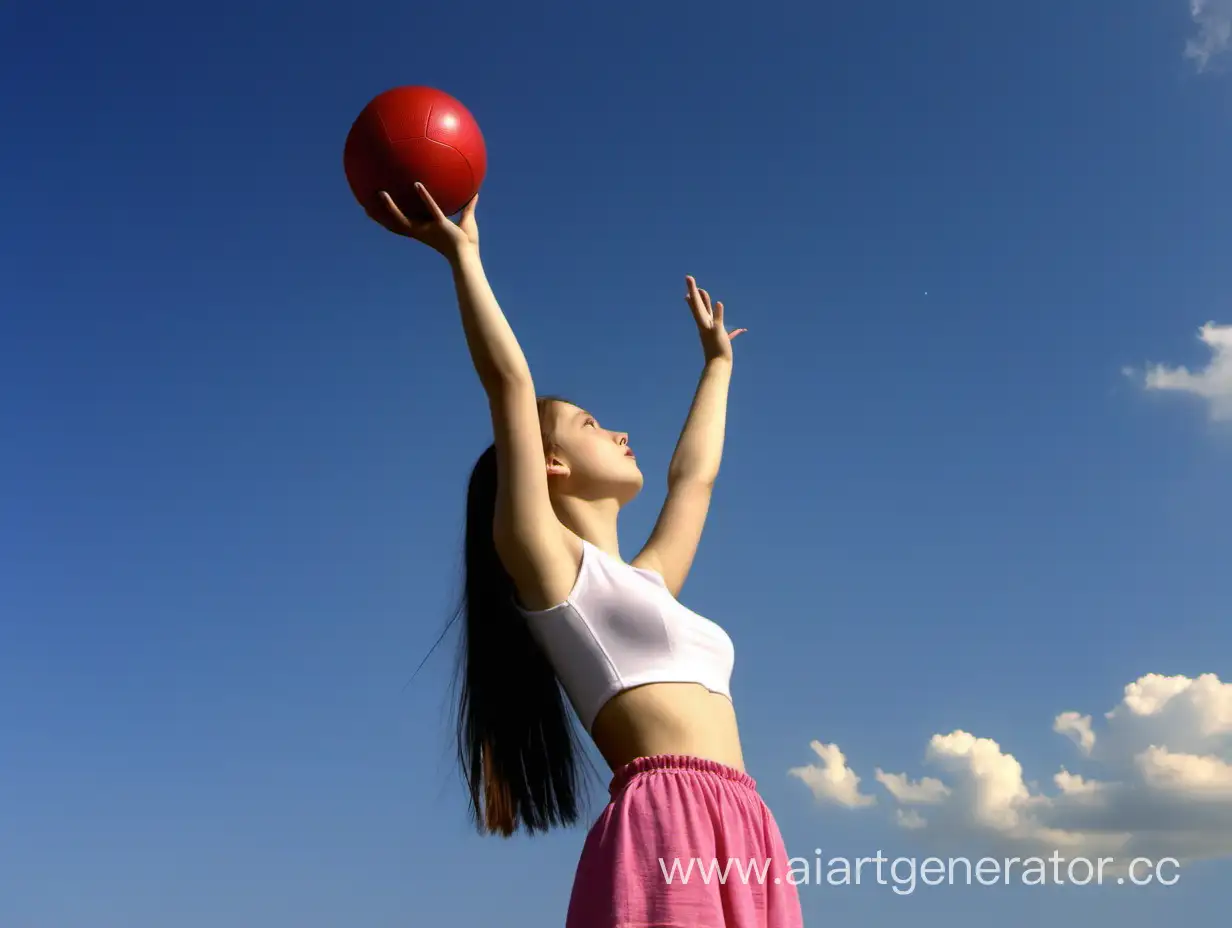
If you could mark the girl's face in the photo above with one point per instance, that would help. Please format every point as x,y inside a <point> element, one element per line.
<point>587,460</point>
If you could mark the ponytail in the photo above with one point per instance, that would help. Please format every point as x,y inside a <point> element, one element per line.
<point>516,741</point>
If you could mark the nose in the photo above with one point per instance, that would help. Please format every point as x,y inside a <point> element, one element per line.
<point>622,438</point>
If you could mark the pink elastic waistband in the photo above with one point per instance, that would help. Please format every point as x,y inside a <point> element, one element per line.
<point>676,763</point>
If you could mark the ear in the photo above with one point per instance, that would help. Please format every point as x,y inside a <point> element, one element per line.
<point>556,467</point>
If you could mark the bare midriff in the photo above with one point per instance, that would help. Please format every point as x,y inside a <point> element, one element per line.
<point>668,718</point>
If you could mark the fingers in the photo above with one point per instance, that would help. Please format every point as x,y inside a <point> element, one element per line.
<point>708,316</point>
<point>718,321</point>
<point>704,299</point>
<point>693,298</point>
<point>696,294</point>
<point>431,203</point>
<point>393,209</point>
<point>699,299</point>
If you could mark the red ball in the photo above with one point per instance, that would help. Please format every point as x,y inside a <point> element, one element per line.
<point>410,134</point>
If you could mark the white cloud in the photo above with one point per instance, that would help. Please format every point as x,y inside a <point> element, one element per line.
<point>1076,727</point>
<point>924,791</point>
<point>1213,382</point>
<point>1161,784</point>
<point>833,781</point>
<point>1214,21</point>
<point>909,818</point>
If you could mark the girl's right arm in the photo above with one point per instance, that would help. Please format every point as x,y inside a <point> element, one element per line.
<point>533,545</point>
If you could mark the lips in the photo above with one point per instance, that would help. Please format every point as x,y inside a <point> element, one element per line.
<point>629,453</point>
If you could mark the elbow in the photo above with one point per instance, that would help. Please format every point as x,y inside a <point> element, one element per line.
<point>506,380</point>
<point>699,480</point>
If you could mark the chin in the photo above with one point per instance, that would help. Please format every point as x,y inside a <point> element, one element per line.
<point>627,486</point>
<point>632,488</point>
<point>628,496</point>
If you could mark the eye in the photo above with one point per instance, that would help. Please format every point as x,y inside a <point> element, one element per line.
<point>591,422</point>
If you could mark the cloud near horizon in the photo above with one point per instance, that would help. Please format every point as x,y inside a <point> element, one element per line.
<point>1212,383</point>
<point>1164,789</point>
<point>1214,21</point>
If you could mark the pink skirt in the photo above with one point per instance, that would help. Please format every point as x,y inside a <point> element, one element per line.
<point>684,843</point>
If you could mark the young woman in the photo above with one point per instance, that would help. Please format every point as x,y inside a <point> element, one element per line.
<point>551,605</point>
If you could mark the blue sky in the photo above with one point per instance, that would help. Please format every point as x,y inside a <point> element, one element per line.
<point>965,489</point>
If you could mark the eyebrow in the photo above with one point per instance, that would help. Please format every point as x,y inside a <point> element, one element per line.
<point>582,413</point>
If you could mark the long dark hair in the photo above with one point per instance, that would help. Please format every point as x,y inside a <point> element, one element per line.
<point>517,743</point>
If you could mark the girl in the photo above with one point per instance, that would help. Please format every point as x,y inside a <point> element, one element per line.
<point>685,841</point>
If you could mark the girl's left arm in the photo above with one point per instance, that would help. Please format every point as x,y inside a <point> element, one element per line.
<point>694,466</point>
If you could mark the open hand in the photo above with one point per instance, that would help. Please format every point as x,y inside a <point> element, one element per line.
<point>716,340</point>
<point>438,232</point>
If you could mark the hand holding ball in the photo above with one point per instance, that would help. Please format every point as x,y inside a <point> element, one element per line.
<point>410,135</point>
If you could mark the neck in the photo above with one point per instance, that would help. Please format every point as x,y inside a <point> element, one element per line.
<point>592,519</point>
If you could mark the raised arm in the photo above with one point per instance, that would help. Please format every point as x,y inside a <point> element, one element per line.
<point>695,465</point>
<point>531,541</point>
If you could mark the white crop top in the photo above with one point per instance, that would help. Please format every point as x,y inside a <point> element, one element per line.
<point>621,627</point>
